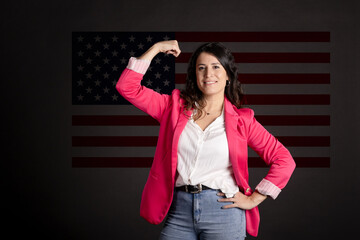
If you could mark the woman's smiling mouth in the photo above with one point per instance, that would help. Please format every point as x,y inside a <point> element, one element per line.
<point>209,82</point>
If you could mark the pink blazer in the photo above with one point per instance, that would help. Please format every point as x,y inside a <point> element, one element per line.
<point>242,130</point>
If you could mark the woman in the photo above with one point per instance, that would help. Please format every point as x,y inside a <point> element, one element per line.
<point>199,175</point>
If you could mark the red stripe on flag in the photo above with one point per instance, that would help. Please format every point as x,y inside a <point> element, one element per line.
<point>268,78</point>
<point>272,120</point>
<point>312,78</point>
<point>145,162</point>
<point>150,141</point>
<point>305,141</point>
<point>114,141</point>
<point>270,57</point>
<point>287,99</point>
<point>111,162</point>
<point>252,36</point>
<point>291,120</point>
<point>301,162</point>
<point>113,120</point>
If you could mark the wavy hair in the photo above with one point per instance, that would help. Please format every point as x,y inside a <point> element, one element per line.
<point>233,91</point>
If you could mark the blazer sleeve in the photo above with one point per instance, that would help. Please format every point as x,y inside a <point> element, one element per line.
<point>274,154</point>
<point>147,100</point>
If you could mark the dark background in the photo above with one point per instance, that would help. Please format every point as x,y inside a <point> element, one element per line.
<point>45,197</point>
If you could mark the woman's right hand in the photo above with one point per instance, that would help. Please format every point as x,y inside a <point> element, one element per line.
<point>167,47</point>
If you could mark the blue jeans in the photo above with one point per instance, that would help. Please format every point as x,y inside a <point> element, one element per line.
<point>200,216</point>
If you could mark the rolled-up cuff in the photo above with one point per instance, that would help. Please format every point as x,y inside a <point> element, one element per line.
<point>266,187</point>
<point>138,65</point>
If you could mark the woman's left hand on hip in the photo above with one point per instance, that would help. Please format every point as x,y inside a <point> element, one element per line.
<point>242,201</point>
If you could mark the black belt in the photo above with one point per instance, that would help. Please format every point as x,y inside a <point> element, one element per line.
<point>192,188</point>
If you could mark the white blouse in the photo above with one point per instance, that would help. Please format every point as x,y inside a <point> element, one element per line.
<point>203,157</point>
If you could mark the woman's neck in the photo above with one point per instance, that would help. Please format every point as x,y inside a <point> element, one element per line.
<point>214,104</point>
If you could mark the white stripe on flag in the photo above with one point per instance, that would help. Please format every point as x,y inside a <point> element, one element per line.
<point>259,110</point>
<point>154,130</point>
<point>281,88</point>
<point>150,151</point>
<point>264,46</point>
<point>272,67</point>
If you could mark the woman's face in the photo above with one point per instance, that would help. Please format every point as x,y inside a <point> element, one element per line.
<point>211,76</point>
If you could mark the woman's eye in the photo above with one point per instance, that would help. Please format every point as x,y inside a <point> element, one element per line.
<point>201,68</point>
<point>216,66</point>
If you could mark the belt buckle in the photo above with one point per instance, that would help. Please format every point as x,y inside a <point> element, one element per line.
<point>199,188</point>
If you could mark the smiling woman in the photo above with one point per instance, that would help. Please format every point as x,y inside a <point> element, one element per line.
<point>200,167</point>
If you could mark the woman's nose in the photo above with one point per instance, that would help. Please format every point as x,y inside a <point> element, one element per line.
<point>208,72</point>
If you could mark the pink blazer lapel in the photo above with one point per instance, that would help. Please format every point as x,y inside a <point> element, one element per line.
<point>231,119</point>
<point>181,123</point>
<point>237,145</point>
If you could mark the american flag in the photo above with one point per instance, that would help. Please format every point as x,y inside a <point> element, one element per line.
<point>285,75</point>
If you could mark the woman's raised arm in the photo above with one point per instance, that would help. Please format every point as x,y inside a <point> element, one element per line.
<point>129,84</point>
